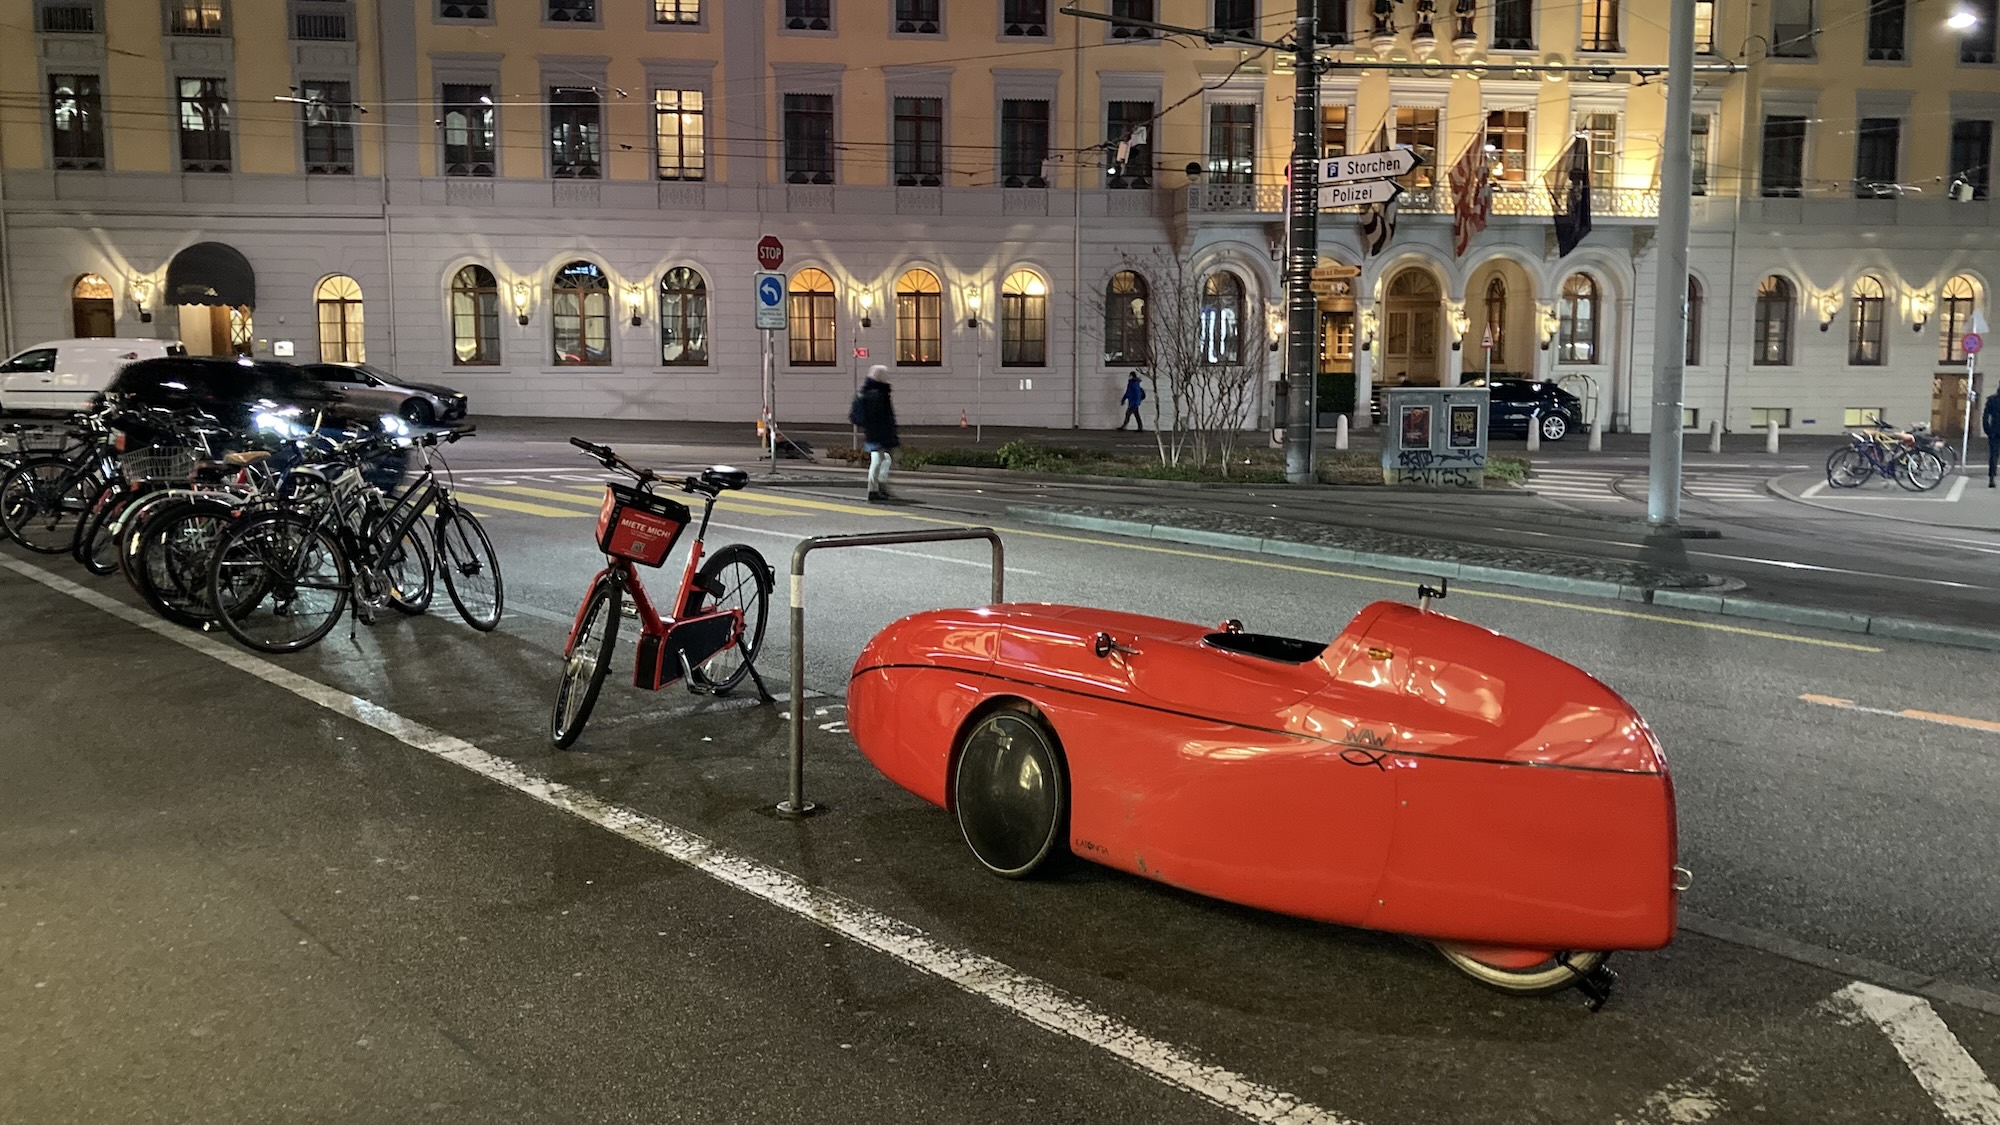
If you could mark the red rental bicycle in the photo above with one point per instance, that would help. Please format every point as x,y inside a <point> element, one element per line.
<point>717,626</point>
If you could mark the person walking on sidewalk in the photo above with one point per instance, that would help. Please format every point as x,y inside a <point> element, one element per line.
<point>876,415</point>
<point>1135,393</point>
<point>1990,422</point>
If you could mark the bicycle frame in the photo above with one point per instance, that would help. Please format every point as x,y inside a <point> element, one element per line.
<point>669,646</point>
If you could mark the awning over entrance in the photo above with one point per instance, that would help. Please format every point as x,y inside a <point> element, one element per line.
<point>211,273</point>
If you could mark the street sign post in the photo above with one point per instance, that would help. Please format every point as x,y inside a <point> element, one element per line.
<point>1973,343</point>
<point>1358,194</point>
<point>770,300</point>
<point>770,252</point>
<point>1398,161</point>
<point>1334,272</point>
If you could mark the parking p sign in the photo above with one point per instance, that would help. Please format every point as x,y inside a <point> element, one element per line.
<point>770,300</point>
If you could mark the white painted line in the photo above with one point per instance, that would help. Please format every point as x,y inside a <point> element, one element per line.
<point>1030,998</point>
<point>1815,490</point>
<point>1698,1100</point>
<point>1934,1055</point>
<point>1957,490</point>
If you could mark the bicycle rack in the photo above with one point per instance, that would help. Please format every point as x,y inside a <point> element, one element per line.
<point>797,805</point>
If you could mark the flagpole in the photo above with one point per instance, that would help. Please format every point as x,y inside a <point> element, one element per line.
<point>1663,487</point>
<point>1301,368</point>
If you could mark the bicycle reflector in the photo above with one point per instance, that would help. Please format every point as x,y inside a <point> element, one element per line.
<point>639,526</point>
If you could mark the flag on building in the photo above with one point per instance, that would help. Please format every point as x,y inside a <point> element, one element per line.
<point>1569,194</point>
<point>1471,194</point>
<point>1378,220</point>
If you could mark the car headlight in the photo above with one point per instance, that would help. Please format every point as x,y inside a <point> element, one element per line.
<point>392,424</point>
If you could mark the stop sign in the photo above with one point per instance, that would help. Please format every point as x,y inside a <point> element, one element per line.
<point>770,252</point>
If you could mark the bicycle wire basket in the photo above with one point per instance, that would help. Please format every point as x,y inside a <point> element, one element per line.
<point>171,463</point>
<point>639,526</point>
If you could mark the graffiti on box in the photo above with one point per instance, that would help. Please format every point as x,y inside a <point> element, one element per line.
<point>1437,443</point>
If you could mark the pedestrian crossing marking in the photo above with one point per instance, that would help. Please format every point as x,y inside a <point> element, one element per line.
<point>767,504</point>
<point>478,502</point>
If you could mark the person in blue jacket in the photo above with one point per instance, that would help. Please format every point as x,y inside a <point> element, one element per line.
<point>1135,393</point>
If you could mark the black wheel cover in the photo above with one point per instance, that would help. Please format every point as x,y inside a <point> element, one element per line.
<point>1010,793</point>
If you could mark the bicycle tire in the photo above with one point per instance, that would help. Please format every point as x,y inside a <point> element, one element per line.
<point>173,557</point>
<point>586,663</point>
<point>95,548</point>
<point>736,577</point>
<point>1848,467</point>
<point>288,552</point>
<point>407,596</point>
<point>133,527</point>
<point>1919,470</point>
<point>38,500</point>
<point>466,557</point>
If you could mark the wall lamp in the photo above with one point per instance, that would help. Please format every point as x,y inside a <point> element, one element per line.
<point>635,303</point>
<point>1369,324</point>
<point>972,302</point>
<point>1276,317</point>
<point>1829,307</point>
<point>1460,325</point>
<point>866,298</point>
<point>521,301</point>
<point>141,290</point>
<point>1551,323</point>
<point>1921,307</point>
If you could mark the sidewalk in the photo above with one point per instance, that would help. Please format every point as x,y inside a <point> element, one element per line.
<point>1963,503</point>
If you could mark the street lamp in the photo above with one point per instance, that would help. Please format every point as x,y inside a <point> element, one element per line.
<point>866,298</point>
<point>1551,323</point>
<point>635,303</point>
<point>1962,20</point>
<point>521,301</point>
<point>1274,317</point>
<point>1460,324</point>
<point>972,306</point>
<point>1921,307</point>
<point>1369,323</point>
<point>141,289</point>
<point>1829,307</point>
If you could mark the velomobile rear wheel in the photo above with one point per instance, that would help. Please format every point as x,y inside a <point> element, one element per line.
<point>1010,793</point>
<point>1522,973</point>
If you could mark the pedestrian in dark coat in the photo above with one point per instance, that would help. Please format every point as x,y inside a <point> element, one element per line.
<point>875,413</point>
<point>1990,422</point>
<point>1135,393</point>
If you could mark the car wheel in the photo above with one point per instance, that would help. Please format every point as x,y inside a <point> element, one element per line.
<point>1554,426</point>
<point>1011,793</point>
<point>418,412</point>
<point>1523,975</point>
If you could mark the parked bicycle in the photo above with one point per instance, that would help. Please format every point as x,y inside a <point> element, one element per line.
<point>715,626</point>
<point>1891,455</point>
<point>44,495</point>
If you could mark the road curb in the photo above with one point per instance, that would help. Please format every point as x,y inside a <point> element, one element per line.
<point>1718,602</point>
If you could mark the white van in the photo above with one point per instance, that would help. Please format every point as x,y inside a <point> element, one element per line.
<point>61,376</point>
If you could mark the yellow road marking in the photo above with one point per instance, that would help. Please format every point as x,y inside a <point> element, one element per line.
<point>752,505</point>
<point>478,501</point>
<point>577,497</point>
<point>1986,725</point>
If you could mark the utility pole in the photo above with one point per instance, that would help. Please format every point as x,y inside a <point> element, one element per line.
<point>1300,368</point>
<point>1663,489</point>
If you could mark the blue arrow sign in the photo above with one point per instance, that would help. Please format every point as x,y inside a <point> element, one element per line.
<point>770,292</point>
<point>770,300</point>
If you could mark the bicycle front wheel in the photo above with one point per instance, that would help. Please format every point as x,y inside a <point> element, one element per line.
<point>41,502</point>
<point>172,559</point>
<point>1920,470</point>
<point>408,574</point>
<point>471,569</point>
<point>737,578</point>
<point>1848,467</point>
<point>284,581</point>
<point>586,664</point>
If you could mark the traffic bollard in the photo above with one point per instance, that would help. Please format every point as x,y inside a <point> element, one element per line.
<point>1596,435</point>
<point>1771,436</point>
<point>1340,434</point>
<point>1535,432</point>
<point>1715,436</point>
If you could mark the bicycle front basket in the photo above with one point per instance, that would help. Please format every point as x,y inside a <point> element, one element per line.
<point>639,526</point>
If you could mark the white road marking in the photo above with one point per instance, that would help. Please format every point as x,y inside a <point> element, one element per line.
<point>1934,1055</point>
<point>1815,490</point>
<point>1957,490</point>
<point>1700,1099</point>
<point>1030,998</point>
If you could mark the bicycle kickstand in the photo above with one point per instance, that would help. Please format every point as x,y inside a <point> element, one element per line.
<point>763,693</point>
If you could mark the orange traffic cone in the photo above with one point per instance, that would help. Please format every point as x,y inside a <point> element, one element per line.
<point>962,423</point>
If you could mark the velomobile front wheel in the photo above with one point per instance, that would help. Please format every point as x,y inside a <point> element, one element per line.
<point>1522,973</point>
<point>1010,793</point>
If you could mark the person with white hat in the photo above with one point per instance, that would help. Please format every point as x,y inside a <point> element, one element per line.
<point>875,413</point>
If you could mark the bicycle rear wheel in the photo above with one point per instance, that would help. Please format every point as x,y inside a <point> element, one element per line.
<point>586,663</point>
<point>172,558</point>
<point>284,580</point>
<point>471,569</point>
<point>1848,467</point>
<point>737,578</point>
<point>41,502</point>
<point>1920,470</point>
<point>409,575</point>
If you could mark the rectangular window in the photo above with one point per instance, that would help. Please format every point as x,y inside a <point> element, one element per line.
<point>468,130</point>
<point>808,15</point>
<point>1507,145</point>
<point>919,142</point>
<point>1761,417</point>
<point>1602,129</point>
<point>465,10</point>
<point>572,11</point>
<point>686,13</point>
<point>1333,22</point>
<point>1875,167</point>
<point>1690,418</point>
<point>1972,156</point>
<point>1132,10</point>
<point>1232,143</point>
<point>678,135</point>
<point>1238,17</point>
<point>1513,25</point>
<point>1698,127</point>
<point>1975,44</point>
<point>1858,417</point>
<point>195,17</point>
<point>1027,19</point>
<point>1784,156</point>
<point>76,121</point>
<point>1886,30</point>
<point>1600,26</point>
<point>917,17</point>
<point>1418,128</point>
<point>73,17</point>
<point>327,117</point>
<point>322,20</point>
<point>1792,29</point>
<point>1333,121</point>
<point>1704,27</point>
<point>1122,121</point>
<point>809,138</point>
<point>204,124</point>
<point>1024,142</point>
<point>576,133</point>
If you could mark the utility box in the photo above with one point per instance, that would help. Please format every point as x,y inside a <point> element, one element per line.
<point>1435,436</point>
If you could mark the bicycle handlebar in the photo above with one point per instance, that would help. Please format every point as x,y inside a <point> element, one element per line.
<point>609,458</point>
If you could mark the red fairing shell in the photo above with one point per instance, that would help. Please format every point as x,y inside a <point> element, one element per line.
<point>1420,775</point>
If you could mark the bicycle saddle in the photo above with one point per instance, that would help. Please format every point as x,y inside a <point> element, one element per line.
<point>247,457</point>
<point>724,476</point>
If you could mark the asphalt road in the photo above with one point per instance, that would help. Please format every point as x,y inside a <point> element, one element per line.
<point>357,884</point>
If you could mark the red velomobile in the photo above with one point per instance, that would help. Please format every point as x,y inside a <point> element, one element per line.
<point>1419,775</point>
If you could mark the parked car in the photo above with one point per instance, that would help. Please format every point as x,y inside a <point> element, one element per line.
<point>63,376</point>
<point>233,391</point>
<point>372,387</point>
<point>1518,403</point>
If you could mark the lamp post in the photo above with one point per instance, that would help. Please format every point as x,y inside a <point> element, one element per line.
<point>1663,489</point>
<point>972,303</point>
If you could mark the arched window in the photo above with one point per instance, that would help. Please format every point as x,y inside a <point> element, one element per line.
<point>93,307</point>
<point>580,311</point>
<point>683,318</point>
<point>1125,342</point>
<point>1864,324</point>
<point>338,300</point>
<point>1777,308</point>
<point>919,319</point>
<point>1496,317</point>
<point>475,317</point>
<point>811,318</point>
<point>1693,356</point>
<point>1576,332</point>
<point>1961,293</point>
<point>1024,320</point>
<point>1222,318</point>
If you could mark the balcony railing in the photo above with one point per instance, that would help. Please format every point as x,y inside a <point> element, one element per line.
<point>1270,199</point>
<point>69,18</point>
<point>322,21</point>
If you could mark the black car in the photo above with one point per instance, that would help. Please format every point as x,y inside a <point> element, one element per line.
<point>1517,403</point>
<point>233,391</point>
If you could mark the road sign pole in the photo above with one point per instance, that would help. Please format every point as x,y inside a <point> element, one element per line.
<point>1971,398</point>
<point>1663,489</point>
<point>1301,366</point>
<point>770,401</point>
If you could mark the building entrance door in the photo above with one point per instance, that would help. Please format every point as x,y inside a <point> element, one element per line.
<point>1948,394</point>
<point>1413,326</point>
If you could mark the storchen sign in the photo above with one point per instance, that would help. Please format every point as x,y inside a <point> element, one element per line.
<point>1398,161</point>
